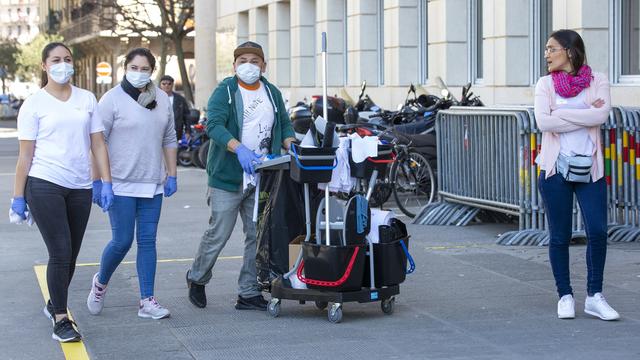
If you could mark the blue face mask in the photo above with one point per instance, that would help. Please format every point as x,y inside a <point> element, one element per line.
<point>138,79</point>
<point>61,72</point>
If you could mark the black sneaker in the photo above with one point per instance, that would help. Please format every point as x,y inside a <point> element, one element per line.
<point>253,303</point>
<point>48,312</point>
<point>197,295</point>
<point>65,331</point>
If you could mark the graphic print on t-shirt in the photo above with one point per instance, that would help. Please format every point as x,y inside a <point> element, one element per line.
<point>257,120</point>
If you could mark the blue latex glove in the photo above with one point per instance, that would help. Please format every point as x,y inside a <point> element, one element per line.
<point>106,196</point>
<point>170,186</point>
<point>19,206</point>
<point>247,159</point>
<point>97,192</point>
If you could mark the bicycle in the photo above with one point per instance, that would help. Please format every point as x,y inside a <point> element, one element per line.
<point>409,176</point>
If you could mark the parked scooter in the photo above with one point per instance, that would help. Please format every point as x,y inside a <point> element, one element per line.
<point>189,145</point>
<point>364,110</point>
<point>301,119</point>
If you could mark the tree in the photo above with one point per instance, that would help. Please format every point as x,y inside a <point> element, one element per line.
<point>29,59</point>
<point>167,19</point>
<point>8,68</point>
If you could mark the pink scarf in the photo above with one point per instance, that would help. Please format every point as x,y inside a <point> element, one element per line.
<point>568,85</point>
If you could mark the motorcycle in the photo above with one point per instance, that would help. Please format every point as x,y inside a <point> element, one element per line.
<point>364,110</point>
<point>189,145</point>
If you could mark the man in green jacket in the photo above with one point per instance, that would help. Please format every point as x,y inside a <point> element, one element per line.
<point>247,119</point>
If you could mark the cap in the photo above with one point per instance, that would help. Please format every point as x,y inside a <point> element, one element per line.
<point>248,47</point>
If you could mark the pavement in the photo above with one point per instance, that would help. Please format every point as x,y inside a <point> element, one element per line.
<point>468,298</point>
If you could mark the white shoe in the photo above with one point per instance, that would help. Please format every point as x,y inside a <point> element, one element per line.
<point>596,305</point>
<point>95,300</point>
<point>150,309</point>
<point>566,307</point>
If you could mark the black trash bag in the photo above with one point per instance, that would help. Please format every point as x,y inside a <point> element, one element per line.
<point>281,219</point>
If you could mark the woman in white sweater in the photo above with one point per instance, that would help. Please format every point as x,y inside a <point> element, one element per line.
<point>141,137</point>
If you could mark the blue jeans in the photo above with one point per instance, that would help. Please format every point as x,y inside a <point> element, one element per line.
<point>557,194</point>
<point>128,214</point>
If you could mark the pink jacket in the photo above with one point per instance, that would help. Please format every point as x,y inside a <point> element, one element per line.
<point>553,121</point>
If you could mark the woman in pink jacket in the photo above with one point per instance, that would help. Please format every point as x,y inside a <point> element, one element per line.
<point>570,105</point>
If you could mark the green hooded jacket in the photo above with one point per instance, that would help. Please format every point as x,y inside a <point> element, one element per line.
<point>224,122</point>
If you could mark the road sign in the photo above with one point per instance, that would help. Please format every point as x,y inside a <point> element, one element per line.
<point>103,80</point>
<point>103,69</point>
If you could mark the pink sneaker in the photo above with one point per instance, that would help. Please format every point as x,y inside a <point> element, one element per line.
<point>95,301</point>
<point>150,309</point>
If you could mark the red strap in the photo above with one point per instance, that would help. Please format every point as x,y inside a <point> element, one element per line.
<point>329,283</point>
<point>383,161</point>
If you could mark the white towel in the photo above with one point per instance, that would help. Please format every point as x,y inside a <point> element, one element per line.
<point>341,179</point>
<point>363,147</point>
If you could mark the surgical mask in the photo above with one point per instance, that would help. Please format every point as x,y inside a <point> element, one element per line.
<point>61,72</point>
<point>248,73</point>
<point>138,79</point>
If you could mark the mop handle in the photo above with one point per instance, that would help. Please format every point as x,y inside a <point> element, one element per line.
<point>324,114</point>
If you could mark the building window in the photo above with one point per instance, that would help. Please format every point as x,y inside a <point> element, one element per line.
<point>345,46</point>
<point>380,27</point>
<point>630,47</point>
<point>624,20</point>
<point>475,41</point>
<point>541,29</point>
<point>423,42</point>
<point>28,11</point>
<point>19,30</point>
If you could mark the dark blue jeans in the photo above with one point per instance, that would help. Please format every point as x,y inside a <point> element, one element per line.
<point>128,214</point>
<point>61,215</point>
<point>557,194</point>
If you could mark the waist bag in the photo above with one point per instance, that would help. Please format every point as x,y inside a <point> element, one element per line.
<point>575,168</point>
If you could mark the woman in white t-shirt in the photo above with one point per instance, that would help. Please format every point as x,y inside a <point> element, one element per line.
<point>141,136</point>
<point>58,127</point>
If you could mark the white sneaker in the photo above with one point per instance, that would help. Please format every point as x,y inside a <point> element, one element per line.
<point>596,305</point>
<point>566,307</point>
<point>95,300</point>
<point>149,308</point>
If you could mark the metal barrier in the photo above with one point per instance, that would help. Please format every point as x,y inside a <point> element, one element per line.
<point>486,161</point>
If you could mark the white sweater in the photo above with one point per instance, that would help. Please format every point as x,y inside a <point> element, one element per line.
<point>136,135</point>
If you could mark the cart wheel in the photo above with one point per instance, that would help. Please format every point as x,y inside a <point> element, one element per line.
<point>321,305</point>
<point>274,307</point>
<point>387,305</point>
<point>335,313</point>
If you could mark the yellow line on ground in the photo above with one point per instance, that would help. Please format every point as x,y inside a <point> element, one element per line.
<point>449,247</point>
<point>163,261</point>
<point>74,351</point>
<point>77,351</point>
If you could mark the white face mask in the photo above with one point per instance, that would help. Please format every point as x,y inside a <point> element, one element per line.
<point>138,79</point>
<point>248,73</point>
<point>61,72</point>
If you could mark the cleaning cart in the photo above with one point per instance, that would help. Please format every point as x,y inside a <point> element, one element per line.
<point>337,263</point>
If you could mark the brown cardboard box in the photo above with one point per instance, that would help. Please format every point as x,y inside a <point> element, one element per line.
<point>295,246</point>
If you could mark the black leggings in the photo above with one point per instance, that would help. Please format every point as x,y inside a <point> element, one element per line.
<point>61,215</point>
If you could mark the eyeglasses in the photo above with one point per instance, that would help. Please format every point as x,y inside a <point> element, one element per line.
<point>552,50</point>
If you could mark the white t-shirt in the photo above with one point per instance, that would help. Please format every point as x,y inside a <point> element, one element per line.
<point>61,130</point>
<point>257,120</point>
<point>575,142</point>
<point>137,189</point>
